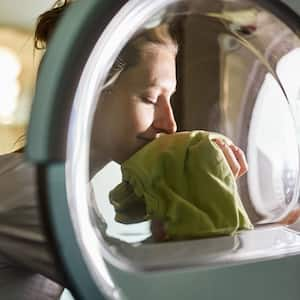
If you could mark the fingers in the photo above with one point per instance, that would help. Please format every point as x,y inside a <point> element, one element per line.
<point>291,218</point>
<point>235,158</point>
<point>240,157</point>
<point>158,230</point>
<point>230,157</point>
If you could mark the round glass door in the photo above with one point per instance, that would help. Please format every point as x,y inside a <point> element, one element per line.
<point>136,72</point>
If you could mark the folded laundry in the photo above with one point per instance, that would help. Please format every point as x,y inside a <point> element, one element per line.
<point>184,180</point>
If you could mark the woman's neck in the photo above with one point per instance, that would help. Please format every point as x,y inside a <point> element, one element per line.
<point>98,160</point>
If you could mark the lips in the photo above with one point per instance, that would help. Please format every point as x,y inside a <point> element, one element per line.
<point>146,139</point>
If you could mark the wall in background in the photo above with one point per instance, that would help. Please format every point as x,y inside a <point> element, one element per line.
<point>22,13</point>
<point>19,63</point>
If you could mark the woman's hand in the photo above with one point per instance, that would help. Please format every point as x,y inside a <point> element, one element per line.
<point>291,218</point>
<point>238,164</point>
<point>235,158</point>
<point>158,230</point>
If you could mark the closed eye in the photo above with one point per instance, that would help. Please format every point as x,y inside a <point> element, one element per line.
<point>149,100</point>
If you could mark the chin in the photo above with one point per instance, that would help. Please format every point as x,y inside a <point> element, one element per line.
<point>124,156</point>
<point>127,153</point>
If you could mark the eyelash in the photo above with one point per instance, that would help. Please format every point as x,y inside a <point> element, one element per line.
<point>148,100</point>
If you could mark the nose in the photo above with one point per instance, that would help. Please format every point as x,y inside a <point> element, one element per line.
<point>164,120</point>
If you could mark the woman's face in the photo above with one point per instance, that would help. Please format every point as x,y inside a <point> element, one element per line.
<point>138,106</point>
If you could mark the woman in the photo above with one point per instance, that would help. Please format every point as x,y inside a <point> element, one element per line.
<point>138,94</point>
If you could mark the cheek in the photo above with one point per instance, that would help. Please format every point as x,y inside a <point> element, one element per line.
<point>142,116</point>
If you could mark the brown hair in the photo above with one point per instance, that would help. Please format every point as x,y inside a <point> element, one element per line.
<point>130,55</point>
<point>47,22</point>
<point>161,35</point>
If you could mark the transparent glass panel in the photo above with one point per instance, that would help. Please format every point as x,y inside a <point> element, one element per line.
<point>235,74</point>
<point>228,81</point>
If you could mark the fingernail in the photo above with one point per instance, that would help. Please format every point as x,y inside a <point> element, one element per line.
<point>219,142</point>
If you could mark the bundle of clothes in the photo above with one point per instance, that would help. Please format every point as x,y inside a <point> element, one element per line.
<point>183,180</point>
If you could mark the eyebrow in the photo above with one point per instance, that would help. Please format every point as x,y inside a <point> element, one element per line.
<point>157,86</point>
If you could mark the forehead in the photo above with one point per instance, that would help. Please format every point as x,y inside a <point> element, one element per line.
<point>156,68</point>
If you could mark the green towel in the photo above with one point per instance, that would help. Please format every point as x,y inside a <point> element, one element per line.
<point>184,180</point>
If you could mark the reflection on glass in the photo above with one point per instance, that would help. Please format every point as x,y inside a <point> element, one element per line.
<point>227,80</point>
<point>273,176</point>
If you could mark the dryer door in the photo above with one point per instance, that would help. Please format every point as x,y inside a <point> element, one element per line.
<point>96,101</point>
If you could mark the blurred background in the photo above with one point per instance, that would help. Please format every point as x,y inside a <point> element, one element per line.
<point>18,66</point>
<point>19,63</point>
